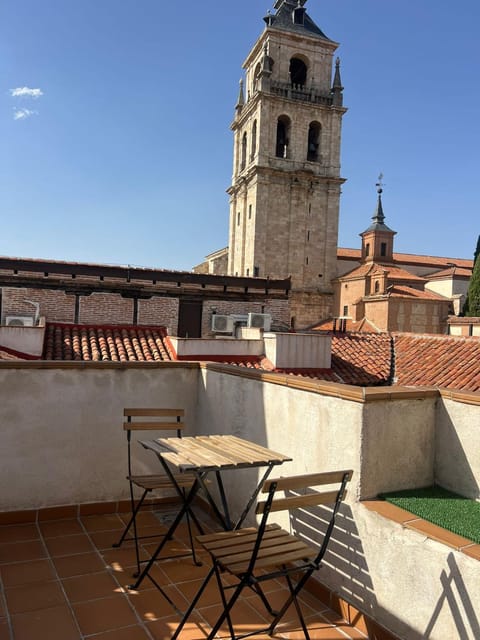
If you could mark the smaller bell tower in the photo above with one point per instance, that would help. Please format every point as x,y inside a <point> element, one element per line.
<point>285,192</point>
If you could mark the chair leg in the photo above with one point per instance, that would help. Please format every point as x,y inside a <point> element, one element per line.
<point>227,607</point>
<point>196,598</point>
<point>294,591</point>
<point>133,521</point>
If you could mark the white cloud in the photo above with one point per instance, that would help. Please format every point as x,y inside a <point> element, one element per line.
<point>25,92</point>
<point>23,114</point>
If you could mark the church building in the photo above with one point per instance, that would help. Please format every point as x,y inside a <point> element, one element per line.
<point>285,191</point>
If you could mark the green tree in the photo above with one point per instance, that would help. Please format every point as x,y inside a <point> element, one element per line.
<point>471,307</point>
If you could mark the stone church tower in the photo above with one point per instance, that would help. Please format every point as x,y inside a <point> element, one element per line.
<point>285,192</point>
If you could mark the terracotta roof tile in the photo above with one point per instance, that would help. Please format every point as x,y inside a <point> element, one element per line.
<point>410,258</point>
<point>402,291</point>
<point>451,362</point>
<point>375,268</point>
<point>362,358</point>
<point>105,343</point>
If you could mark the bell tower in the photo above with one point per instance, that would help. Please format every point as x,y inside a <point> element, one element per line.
<point>285,192</point>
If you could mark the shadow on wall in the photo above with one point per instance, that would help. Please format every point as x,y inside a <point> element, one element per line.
<point>453,469</point>
<point>344,558</point>
<point>455,596</point>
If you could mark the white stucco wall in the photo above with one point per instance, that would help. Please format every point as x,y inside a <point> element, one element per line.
<point>457,464</point>
<point>62,435</point>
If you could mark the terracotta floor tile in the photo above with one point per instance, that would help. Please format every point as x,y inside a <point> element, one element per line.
<point>102,523</point>
<point>106,539</point>
<point>173,548</point>
<point>152,605</point>
<point>123,559</point>
<point>21,551</point>
<point>19,533</point>
<point>182,570</point>
<point>317,630</point>
<point>104,614</point>
<point>276,599</point>
<point>27,572</point>
<point>55,528</point>
<point>244,618</point>
<point>90,587</point>
<point>163,629</point>
<point>56,623</point>
<point>438,533</point>
<point>68,545</point>
<point>209,597</point>
<point>80,564</point>
<point>127,633</point>
<point>144,518</point>
<point>40,595</point>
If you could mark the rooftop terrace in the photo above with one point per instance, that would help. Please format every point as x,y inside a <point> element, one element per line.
<point>63,456</point>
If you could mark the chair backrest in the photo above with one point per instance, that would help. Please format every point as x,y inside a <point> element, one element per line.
<point>143,419</point>
<point>304,493</point>
<point>151,419</point>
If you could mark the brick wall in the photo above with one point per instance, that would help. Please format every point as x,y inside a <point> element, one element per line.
<point>105,308</point>
<point>278,309</point>
<point>54,305</point>
<point>159,311</point>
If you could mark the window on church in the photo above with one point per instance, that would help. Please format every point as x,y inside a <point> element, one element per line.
<point>244,152</point>
<point>249,211</point>
<point>383,249</point>
<point>367,250</point>
<point>345,310</point>
<point>256,76</point>
<point>256,271</point>
<point>298,72</point>
<point>314,132</point>
<point>254,139</point>
<point>377,286</point>
<point>238,218</point>
<point>283,132</point>
<point>248,272</point>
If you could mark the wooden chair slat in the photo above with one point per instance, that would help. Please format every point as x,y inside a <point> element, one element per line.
<point>274,561</point>
<point>228,547</point>
<point>266,554</point>
<point>151,425</point>
<point>307,480</point>
<point>149,411</point>
<point>296,502</point>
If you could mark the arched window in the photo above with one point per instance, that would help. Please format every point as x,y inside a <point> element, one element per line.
<point>313,150</point>
<point>383,249</point>
<point>283,133</point>
<point>256,75</point>
<point>254,139</point>
<point>298,72</point>
<point>377,286</point>
<point>244,152</point>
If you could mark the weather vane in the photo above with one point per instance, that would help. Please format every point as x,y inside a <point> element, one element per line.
<point>380,184</point>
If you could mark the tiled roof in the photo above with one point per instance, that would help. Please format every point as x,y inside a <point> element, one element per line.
<point>409,258</point>
<point>349,326</point>
<point>374,268</point>
<point>105,343</point>
<point>362,358</point>
<point>457,272</point>
<point>451,362</point>
<point>402,291</point>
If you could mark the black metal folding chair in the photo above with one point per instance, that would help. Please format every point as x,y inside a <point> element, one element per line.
<point>152,419</point>
<point>257,554</point>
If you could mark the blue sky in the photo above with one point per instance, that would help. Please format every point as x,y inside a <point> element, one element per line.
<point>125,156</point>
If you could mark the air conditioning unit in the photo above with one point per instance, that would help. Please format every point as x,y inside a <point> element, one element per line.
<point>260,321</point>
<point>222,324</point>
<point>19,321</point>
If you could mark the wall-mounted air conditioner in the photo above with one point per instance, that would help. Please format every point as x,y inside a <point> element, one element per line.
<point>222,324</point>
<point>260,321</point>
<point>19,321</point>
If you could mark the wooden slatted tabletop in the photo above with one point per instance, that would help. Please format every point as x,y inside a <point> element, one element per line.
<point>210,453</point>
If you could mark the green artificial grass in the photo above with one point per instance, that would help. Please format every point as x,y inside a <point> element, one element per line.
<point>444,508</point>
